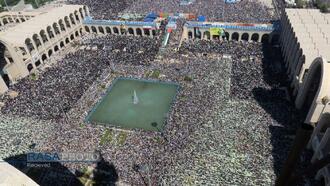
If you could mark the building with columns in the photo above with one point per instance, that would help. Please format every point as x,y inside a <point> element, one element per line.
<point>305,44</point>
<point>134,28</point>
<point>232,31</point>
<point>28,44</point>
<point>16,17</point>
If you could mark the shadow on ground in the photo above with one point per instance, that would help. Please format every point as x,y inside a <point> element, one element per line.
<point>54,174</point>
<point>286,118</point>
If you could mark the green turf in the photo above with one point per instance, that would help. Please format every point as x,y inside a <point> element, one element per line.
<point>117,108</point>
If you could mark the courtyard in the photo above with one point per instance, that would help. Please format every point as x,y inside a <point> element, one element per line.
<point>225,125</point>
<point>133,103</point>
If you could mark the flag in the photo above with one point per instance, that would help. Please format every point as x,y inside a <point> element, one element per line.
<point>215,31</point>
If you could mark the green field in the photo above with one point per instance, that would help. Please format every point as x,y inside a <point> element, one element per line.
<point>117,107</point>
<point>34,3</point>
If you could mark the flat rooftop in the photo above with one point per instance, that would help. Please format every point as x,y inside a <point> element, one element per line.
<point>312,29</point>
<point>18,34</point>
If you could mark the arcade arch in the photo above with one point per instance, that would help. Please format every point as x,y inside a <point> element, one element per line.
<point>87,29</point>
<point>5,21</point>
<point>190,34</point>
<point>29,44</point>
<point>36,40</point>
<point>62,26</point>
<point>29,67</point>
<point>146,32</point>
<point>61,44</point>
<point>37,63</point>
<point>255,37</point>
<point>139,32</point>
<point>56,29</point>
<point>50,32</point>
<point>43,57</point>
<point>76,16</point>
<point>265,38</point>
<point>67,22</point>
<point>101,30</point>
<point>207,35</point>
<point>72,19</point>
<point>81,13</point>
<point>50,52</point>
<point>245,37</point>
<point>323,124</point>
<point>43,36</point>
<point>314,88</point>
<point>131,31</point>
<point>227,36</point>
<point>235,36</point>
<point>85,10</point>
<point>3,63</point>
<point>56,48</point>
<point>275,39</point>
<point>108,30</point>
<point>94,29</point>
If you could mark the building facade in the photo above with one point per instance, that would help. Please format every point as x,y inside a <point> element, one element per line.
<point>305,42</point>
<point>232,31</point>
<point>28,44</point>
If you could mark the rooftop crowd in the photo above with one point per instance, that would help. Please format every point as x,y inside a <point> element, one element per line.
<point>55,91</point>
<point>215,87</point>
<point>221,128</point>
<point>250,11</point>
<point>250,66</point>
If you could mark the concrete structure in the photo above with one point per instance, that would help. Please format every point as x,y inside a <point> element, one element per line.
<point>233,31</point>
<point>37,35</point>
<point>27,45</point>
<point>16,17</point>
<point>305,42</point>
<point>135,28</point>
<point>9,175</point>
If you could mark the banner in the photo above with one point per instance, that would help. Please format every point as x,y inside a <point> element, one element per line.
<point>217,31</point>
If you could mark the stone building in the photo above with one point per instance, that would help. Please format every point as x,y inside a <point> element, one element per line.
<point>232,31</point>
<point>36,37</point>
<point>305,42</point>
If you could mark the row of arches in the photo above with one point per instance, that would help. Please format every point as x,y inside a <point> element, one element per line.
<point>256,37</point>
<point>56,48</point>
<point>13,19</point>
<point>309,79</point>
<point>63,26</point>
<point>120,30</point>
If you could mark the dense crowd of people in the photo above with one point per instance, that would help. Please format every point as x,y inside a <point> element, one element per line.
<point>221,128</point>
<point>243,11</point>
<point>103,9</point>
<point>253,65</point>
<point>55,91</point>
<point>250,11</point>
<point>214,106</point>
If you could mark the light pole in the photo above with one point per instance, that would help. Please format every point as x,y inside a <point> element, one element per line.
<point>137,168</point>
<point>6,4</point>
<point>155,125</point>
<point>36,3</point>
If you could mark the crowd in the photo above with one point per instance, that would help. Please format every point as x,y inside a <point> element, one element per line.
<point>2,59</point>
<point>243,11</point>
<point>252,65</point>
<point>52,93</point>
<point>226,127</point>
<point>104,9</point>
<point>250,11</point>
